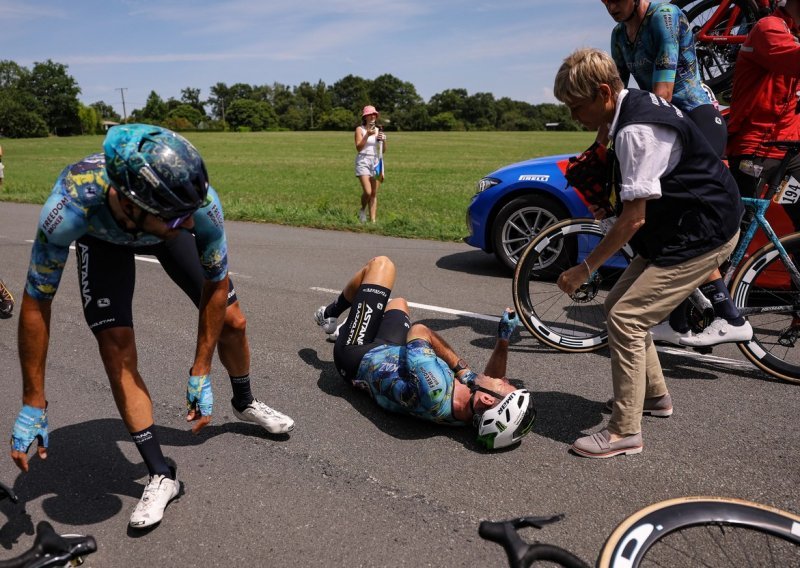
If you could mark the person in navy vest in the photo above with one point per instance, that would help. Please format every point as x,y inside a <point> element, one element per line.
<point>679,208</point>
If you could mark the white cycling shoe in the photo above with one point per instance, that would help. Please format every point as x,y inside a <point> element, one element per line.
<point>720,331</point>
<point>332,337</point>
<point>663,333</point>
<point>268,418</point>
<point>328,325</point>
<point>160,490</point>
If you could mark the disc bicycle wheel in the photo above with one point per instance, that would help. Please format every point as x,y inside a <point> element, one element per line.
<point>573,323</point>
<point>764,284</point>
<point>704,531</point>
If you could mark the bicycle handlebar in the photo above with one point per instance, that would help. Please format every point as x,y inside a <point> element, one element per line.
<point>51,549</point>
<point>522,554</point>
<point>784,144</point>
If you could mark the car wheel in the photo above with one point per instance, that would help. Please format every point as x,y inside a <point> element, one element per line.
<point>519,221</point>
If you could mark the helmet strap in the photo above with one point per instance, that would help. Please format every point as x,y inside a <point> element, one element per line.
<point>474,389</point>
<point>138,220</point>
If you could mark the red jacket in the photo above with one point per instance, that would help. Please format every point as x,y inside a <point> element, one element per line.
<point>766,79</point>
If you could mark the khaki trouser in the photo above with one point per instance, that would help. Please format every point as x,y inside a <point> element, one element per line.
<point>644,295</point>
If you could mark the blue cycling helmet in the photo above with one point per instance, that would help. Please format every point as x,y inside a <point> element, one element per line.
<point>158,170</point>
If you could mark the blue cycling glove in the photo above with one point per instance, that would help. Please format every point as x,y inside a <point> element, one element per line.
<point>468,378</point>
<point>199,395</point>
<point>31,424</point>
<point>507,324</point>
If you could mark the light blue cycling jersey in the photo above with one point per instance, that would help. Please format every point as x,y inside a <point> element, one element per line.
<point>663,52</point>
<point>409,379</point>
<point>78,206</point>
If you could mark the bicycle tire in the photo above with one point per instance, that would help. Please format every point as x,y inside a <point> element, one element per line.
<point>764,281</point>
<point>570,323</point>
<point>669,533</point>
<point>716,61</point>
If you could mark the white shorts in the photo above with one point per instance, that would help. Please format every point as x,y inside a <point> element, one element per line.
<point>365,165</point>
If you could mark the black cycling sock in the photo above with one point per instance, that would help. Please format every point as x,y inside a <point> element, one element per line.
<point>679,318</point>
<point>337,308</point>
<point>150,450</point>
<point>242,396</point>
<point>724,307</point>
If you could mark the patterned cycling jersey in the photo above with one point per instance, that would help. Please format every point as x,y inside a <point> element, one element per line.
<point>78,206</point>
<point>663,52</point>
<point>409,379</point>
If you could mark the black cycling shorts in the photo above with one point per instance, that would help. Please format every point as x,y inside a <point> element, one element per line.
<point>368,325</point>
<point>710,122</point>
<point>107,276</point>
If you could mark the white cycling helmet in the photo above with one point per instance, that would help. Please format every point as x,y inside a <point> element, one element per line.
<point>507,422</point>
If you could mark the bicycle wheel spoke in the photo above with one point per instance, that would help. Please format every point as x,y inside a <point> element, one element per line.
<point>568,322</point>
<point>720,545</point>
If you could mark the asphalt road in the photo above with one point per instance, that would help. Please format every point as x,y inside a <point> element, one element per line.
<point>353,485</point>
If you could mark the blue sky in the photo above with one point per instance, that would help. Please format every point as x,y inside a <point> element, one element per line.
<point>507,47</point>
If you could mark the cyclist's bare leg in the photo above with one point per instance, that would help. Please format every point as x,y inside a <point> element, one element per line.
<point>379,270</point>
<point>233,347</point>
<point>118,350</point>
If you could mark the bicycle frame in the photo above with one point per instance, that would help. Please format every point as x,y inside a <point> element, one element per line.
<point>759,207</point>
<point>727,9</point>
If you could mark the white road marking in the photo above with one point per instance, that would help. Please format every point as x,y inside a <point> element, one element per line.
<point>429,308</point>
<point>724,361</point>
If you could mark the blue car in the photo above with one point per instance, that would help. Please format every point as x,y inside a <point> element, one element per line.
<point>517,201</point>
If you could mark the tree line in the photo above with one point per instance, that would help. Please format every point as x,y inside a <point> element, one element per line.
<point>43,100</point>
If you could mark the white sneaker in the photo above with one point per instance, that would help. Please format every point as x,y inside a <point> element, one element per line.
<point>159,492</point>
<point>663,333</point>
<point>720,331</point>
<point>362,216</point>
<point>328,325</point>
<point>268,418</point>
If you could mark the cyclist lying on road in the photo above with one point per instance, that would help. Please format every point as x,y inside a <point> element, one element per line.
<point>410,369</point>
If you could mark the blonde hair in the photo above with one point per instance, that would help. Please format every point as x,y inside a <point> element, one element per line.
<point>582,73</point>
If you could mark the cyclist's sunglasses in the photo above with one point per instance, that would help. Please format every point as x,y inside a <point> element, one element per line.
<point>176,221</point>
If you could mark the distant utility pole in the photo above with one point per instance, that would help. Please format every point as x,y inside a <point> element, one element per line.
<point>122,94</point>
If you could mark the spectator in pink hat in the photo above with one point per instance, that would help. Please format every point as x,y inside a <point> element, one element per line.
<point>370,142</point>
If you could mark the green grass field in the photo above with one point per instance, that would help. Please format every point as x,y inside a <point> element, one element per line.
<point>306,178</point>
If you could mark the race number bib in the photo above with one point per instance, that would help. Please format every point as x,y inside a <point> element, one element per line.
<point>789,193</point>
